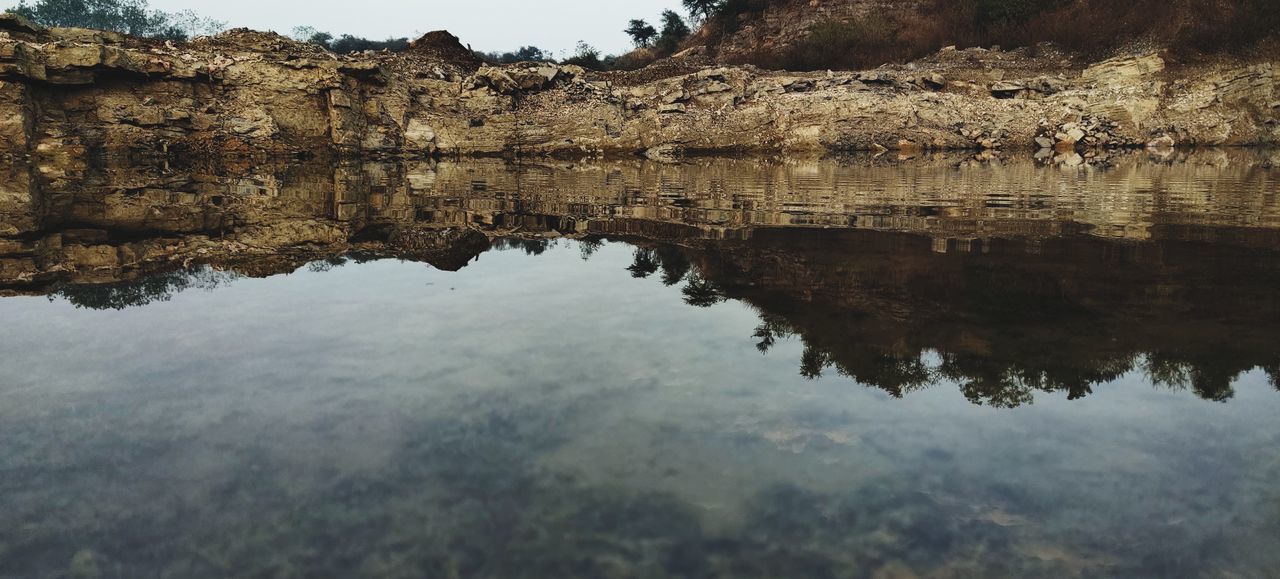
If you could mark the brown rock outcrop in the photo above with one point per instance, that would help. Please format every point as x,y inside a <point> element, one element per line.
<point>68,94</point>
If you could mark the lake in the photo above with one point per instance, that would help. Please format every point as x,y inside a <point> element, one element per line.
<point>939,366</point>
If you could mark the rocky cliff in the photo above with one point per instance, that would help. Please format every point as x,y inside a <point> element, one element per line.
<point>68,94</point>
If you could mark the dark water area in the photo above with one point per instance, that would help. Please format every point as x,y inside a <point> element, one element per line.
<point>931,367</point>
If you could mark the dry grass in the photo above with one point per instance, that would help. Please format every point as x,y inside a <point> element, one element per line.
<point>1095,28</point>
<point>1186,26</point>
<point>636,59</point>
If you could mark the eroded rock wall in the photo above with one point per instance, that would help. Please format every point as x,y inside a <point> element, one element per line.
<point>68,94</point>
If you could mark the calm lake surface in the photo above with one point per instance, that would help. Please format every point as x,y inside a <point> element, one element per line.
<point>935,367</point>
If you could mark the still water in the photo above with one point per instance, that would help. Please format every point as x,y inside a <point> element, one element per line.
<point>909,368</point>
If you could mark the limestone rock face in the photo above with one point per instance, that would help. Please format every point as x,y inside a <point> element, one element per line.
<point>18,209</point>
<point>68,94</point>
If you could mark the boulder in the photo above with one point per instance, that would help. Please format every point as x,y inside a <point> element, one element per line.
<point>712,74</point>
<point>362,70</point>
<point>1007,90</point>
<point>715,87</point>
<point>21,24</point>
<point>678,96</point>
<point>87,36</point>
<point>798,85</point>
<point>512,80</point>
<point>494,78</point>
<point>421,136</point>
<point>933,80</point>
<point>883,77</point>
<point>1123,70</point>
<point>536,78</point>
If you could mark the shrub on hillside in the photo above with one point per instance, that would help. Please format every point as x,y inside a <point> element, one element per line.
<point>1093,27</point>
<point>1097,27</point>
<point>836,44</point>
<point>586,56</point>
<point>1235,25</point>
<point>992,13</point>
<point>636,59</point>
<point>674,31</point>
<point>728,17</point>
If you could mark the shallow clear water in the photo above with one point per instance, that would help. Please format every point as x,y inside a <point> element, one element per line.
<point>781,401</point>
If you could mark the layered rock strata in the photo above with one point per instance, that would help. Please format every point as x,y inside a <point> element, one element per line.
<point>66,94</point>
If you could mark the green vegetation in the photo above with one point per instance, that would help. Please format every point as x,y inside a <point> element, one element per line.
<point>674,31</point>
<point>347,43</point>
<point>523,54</point>
<point>160,287</point>
<point>588,56</point>
<point>729,15</point>
<point>642,33</point>
<point>653,43</point>
<point>701,10</point>
<point>133,17</point>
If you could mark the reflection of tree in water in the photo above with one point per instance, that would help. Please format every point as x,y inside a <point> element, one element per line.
<point>1018,365</point>
<point>327,264</point>
<point>771,329</point>
<point>700,292</point>
<point>644,264</point>
<point>1008,383</point>
<point>813,362</point>
<point>675,265</point>
<point>895,374</point>
<point>1209,377</point>
<point>670,259</point>
<point>534,246</point>
<point>588,247</point>
<point>1013,379</point>
<point>140,292</point>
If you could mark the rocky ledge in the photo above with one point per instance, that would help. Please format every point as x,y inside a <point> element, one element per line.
<point>66,94</point>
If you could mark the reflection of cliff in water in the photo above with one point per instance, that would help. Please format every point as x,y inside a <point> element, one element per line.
<point>101,223</point>
<point>1007,278</point>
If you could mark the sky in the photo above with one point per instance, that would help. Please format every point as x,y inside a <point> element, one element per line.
<point>555,25</point>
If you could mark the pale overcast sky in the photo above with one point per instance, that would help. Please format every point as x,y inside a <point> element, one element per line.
<point>486,24</point>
